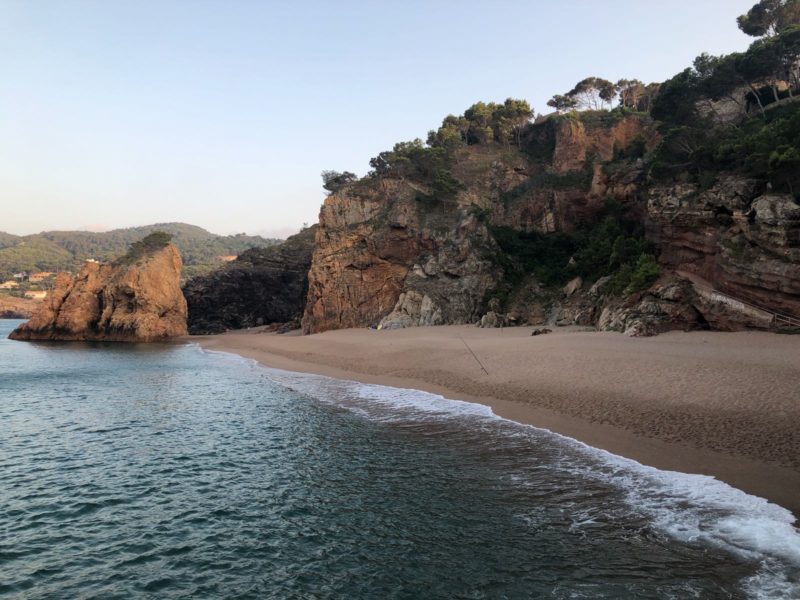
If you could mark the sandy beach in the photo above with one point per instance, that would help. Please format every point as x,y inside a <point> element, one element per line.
<point>720,404</point>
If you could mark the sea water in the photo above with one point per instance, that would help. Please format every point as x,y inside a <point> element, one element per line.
<point>163,471</point>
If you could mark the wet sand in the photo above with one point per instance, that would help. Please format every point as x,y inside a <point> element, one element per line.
<point>720,404</point>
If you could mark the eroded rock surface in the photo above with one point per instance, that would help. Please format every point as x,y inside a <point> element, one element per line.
<point>386,256</point>
<point>743,240</point>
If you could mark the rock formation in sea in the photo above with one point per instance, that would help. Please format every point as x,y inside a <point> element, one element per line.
<point>262,286</point>
<point>134,299</point>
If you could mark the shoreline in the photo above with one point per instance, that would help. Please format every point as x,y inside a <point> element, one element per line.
<point>650,419</point>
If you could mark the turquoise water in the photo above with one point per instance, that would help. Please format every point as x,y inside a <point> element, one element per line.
<point>133,471</point>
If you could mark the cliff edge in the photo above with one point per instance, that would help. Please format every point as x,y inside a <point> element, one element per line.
<point>134,299</point>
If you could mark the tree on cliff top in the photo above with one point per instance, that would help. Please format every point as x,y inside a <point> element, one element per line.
<point>511,116</point>
<point>483,123</point>
<point>451,135</point>
<point>562,102</point>
<point>635,95</point>
<point>593,93</point>
<point>333,181</point>
<point>147,245</point>
<point>769,68</point>
<point>769,17</point>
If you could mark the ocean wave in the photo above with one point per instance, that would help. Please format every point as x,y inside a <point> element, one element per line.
<point>689,508</point>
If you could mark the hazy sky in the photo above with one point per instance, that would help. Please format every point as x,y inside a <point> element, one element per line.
<point>222,114</point>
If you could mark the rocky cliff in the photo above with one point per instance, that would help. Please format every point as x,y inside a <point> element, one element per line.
<point>136,299</point>
<point>736,235</point>
<point>676,208</point>
<point>262,286</point>
<point>390,252</point>
<point>731,261</point>
<point>382,249</point>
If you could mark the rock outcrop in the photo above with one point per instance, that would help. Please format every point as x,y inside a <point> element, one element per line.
<point>386,256</point>
<point>667,305</point>
<point>563,187</point>
<point>576,141</point>
<point>261,287</point>
<point>739,237</point>
<point>133,300</point>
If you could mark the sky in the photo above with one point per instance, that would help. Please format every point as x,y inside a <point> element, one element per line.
<point>223,113</point>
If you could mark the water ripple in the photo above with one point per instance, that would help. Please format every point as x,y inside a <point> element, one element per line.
<point>163,472</point>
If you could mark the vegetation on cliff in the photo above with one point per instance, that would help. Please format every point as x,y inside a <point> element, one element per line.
<point>146,246</point>
<point>498,206</point>
<point>596,93</point>
<point>605,245</point>
<point>737,112</point>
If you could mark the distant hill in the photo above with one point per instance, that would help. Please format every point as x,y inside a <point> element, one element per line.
<point>67,250</point>
<point>7,239</point>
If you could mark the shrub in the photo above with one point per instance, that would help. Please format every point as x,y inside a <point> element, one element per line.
<point>333,181</point>
<point>645,273</point>
<point>150,243</point>
<point>635,277</point>
<point>767,149</point>
<point>546,255</point>
<point>593,250</point>
<point>636,149</point>
<point>445,185</point>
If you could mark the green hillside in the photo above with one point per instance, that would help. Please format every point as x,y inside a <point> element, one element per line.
<point>66,250</point>
<point>33,253</point>
<point>6,239</point>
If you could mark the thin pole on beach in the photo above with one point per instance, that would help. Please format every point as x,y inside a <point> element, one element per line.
<point>473,355</point>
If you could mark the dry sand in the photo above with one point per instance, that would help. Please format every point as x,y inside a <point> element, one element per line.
<point>721,404</point>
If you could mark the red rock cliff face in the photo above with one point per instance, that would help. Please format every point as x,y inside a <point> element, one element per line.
<point>572,185</point>
<point>385,255</point>
<point>744,240</point>
<point>141,302</point>
<point>360,262</point>
<point>576,142</point>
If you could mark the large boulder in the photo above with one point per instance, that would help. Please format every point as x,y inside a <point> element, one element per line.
<point>665,306</point>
